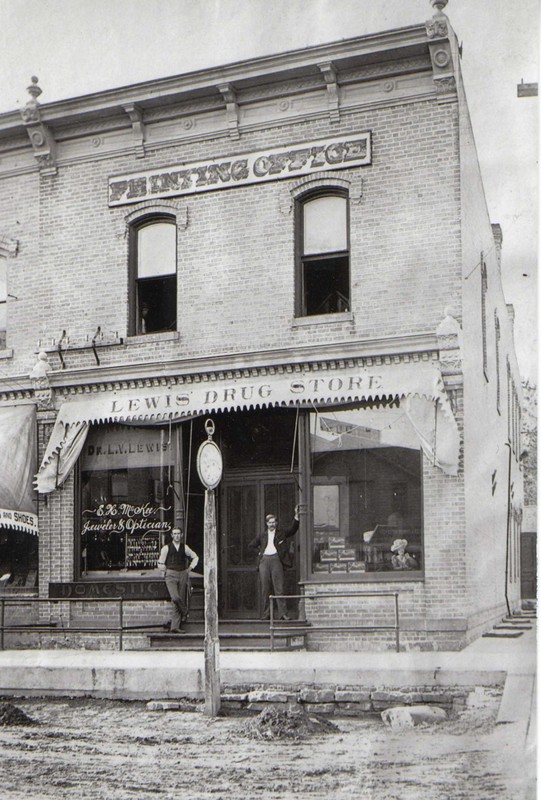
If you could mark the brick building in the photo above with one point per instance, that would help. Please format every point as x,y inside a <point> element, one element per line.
<point>297,247</point>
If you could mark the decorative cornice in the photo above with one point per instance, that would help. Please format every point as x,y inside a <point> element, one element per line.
<point>232,109</point>
<point>402,43</point>
<point>39,134</point>
<point>439,45</point>
<point>136,118</point>
<point>288,368</point>
<point>437,28</point>
<point>329,74</point>
<point>400,349</point>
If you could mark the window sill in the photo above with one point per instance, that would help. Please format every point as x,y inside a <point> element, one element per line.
<point>366,577</point>
<point>323,319</point>
<point>163,336</point>
<point>121,575</point>
<point>6,352</point>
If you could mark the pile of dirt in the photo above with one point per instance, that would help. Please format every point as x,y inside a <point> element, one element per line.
<point>275,723</point>
<point>11,715</point>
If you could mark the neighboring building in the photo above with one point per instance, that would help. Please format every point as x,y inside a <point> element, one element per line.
<point>299,247</point>
<point>529,520</point>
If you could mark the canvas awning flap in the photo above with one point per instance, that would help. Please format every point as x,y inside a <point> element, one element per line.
<point>241,390</point>
<point>18,461</point>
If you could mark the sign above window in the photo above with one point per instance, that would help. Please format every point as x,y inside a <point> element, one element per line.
<point>265,165</point>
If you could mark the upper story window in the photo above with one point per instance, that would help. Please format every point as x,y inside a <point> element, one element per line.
<point>154,270</point>
<point>323,283</point>
<point>3,302</point>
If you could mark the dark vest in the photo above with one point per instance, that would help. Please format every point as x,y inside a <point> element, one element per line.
<point>176,559</point>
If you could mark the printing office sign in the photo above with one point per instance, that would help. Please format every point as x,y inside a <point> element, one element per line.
<point>264,165</point>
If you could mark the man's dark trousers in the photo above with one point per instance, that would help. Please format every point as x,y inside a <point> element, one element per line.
<point>271,574</point>
<point>177,585</point>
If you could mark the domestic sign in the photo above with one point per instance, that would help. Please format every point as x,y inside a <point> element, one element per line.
<point>224,173</point>
<point>128,590</point>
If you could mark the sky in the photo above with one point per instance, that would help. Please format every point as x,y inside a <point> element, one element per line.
<point>76,47</point>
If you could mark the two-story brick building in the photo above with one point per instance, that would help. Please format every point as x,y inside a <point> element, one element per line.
<point>299,248</point>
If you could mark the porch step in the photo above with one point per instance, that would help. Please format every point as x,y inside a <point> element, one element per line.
<point>233,635</point>
<point>511,627</point>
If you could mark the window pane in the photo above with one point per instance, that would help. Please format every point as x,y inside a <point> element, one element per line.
<point>157,250</point>
<point>325,225</point>
<point>366,492</point>
<point>127,505</point>
<point>326,285</point>
<point>157,302</point>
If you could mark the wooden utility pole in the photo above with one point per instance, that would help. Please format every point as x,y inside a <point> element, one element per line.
<point>212,640</point>
<point>209,468</point>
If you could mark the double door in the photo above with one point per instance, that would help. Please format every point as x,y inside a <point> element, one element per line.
<point>245,501</point>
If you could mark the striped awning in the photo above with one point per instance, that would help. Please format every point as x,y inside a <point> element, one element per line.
<point>18,461</point>
<point>419,382</point>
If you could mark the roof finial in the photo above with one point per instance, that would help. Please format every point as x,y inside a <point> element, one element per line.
<point>33,90</point>
<point>439,5</point>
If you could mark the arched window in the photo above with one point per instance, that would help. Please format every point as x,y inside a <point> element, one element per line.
<point>154,269</point>
<point>323,283</point>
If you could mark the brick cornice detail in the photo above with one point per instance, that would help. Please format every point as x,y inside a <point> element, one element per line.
<point>251,372</point>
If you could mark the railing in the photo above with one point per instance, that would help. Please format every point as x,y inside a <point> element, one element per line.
<point>314,628</point>
<point>52,628</point>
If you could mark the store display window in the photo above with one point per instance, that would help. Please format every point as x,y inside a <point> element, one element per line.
<point>127,497</point>
<point>366,493</point>
<point>18,561</point>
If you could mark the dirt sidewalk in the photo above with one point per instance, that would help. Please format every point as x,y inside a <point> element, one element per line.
<point>90,749</point>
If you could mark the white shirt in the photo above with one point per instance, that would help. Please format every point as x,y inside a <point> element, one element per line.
<point>189,552</point>
<point>270,549</point>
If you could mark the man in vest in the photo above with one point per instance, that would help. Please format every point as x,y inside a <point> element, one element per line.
<point>175,562</point>
<point>273,551</point>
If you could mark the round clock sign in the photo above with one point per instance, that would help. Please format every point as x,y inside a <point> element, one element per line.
<point>209,460</point>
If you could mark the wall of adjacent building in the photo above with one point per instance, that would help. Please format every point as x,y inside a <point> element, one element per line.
<point>489,470</point>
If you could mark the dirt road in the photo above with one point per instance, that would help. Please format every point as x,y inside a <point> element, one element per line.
<point>104,749</point>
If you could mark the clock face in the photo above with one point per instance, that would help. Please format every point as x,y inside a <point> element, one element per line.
<point>209,464</point>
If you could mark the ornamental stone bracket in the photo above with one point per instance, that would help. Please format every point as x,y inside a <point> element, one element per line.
<point>232,109</point>
<point>449,336</point>
<point>437,31</point>
<point>333,101</point>
<point>43,391</point>
<point>138,127</point>
<point>41,138</point>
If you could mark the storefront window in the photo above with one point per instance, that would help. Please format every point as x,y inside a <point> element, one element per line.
<point>366,492</point>
<point>128,497</point>
<point>18,560</point>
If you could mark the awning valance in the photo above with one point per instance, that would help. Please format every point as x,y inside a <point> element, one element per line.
<point>276,387</point>
<point>18,461</point>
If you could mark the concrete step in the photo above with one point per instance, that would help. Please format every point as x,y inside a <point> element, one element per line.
<point>233,635</point>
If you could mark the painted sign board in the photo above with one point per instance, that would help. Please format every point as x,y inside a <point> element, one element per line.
<point>240,170</point>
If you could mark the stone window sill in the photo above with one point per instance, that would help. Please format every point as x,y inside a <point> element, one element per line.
<point>6,352</point>
<point>323,319</point>
<point>163,336</point>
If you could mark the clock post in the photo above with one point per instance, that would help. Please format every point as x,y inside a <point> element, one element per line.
<point>209,468</point>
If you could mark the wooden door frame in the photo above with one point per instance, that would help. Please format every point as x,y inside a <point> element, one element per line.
<point>258,477</point>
